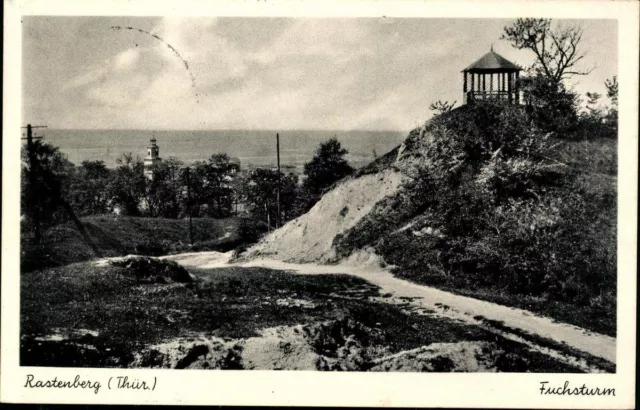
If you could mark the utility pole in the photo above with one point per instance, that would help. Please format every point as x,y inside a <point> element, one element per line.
<point>52,187</point>
<point>189,205</point>
<point>35,200</point>
<point>266,210</point>
<point>278,187</point>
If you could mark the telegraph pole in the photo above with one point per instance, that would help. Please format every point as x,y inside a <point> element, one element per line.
<point>278,187</point>
<point>189,205</point>
<point>266,209</point>
<point>35,200</point>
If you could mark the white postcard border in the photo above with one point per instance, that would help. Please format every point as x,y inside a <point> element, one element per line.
<point>318,388</point>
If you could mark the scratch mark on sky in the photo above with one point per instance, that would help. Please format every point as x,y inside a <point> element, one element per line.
<point>175,52</point>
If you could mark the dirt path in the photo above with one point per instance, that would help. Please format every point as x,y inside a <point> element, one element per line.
<point>512,321</point>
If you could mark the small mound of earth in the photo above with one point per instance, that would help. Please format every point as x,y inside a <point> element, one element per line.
<point>274,349</point>
<point>332,345</point>
<point>58,334</point>
<point>341,344</point>
<point>438,357</point>
<point>153,270</point>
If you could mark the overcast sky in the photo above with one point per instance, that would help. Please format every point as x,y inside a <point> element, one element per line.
<point>263,73</point>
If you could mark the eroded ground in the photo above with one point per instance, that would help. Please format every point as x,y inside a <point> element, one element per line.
<point>104,315</point>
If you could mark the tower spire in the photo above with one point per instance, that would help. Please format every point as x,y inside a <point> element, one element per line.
<point>492,47</point>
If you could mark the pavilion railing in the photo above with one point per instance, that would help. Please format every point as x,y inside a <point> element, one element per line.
<point>489,95</point>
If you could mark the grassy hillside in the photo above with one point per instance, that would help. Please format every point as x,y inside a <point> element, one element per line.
<point>498,212</point>
<point>484,205</point>
<point>122,235</point>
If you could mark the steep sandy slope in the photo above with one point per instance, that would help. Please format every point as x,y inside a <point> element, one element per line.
<point>310,237</point>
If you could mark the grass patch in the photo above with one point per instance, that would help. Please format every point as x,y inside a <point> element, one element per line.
<point>123,235</point>
<point>595,318</point>
<point>552,344</point>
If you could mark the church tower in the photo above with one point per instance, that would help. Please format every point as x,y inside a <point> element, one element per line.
<point>152,158</point>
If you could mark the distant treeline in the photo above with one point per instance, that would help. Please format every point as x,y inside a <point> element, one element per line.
<point>210,188</point>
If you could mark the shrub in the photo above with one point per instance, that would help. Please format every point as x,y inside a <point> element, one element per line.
<point>152,270</point>
<point>151,248</point>
<point>251,229</point>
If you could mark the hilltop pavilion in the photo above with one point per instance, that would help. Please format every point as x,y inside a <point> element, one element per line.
<point>492,76</point>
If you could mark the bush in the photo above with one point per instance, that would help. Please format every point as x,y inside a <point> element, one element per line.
<point>151,248</point>
<point>251,230</point>
<point>152,270</point>
<point>551,106</point>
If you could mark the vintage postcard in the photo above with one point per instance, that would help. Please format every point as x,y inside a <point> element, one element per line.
<point>418,204</point>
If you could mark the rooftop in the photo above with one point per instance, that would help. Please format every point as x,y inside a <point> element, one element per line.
<point>492,61</point>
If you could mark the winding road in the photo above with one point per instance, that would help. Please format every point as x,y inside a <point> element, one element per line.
<point>560,340</point>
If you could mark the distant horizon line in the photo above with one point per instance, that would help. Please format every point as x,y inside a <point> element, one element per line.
<point>223,129</point>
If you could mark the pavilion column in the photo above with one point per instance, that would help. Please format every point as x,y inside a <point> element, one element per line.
<point>464,87</point>
<point>491,83</point>
<point>517,87</point>
<point>484,83</point>
<point>473,85</point>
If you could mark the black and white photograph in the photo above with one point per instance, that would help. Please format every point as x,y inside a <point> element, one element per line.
<point>319,194</point>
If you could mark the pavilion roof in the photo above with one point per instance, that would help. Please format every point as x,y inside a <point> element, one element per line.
<point>492,61</point>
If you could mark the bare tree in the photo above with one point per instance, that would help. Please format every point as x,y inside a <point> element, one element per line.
<point>556,49</point>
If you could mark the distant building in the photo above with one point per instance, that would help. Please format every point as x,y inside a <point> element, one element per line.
<point>152,158</point>
<point>491,77</point>
<point>234,165</point>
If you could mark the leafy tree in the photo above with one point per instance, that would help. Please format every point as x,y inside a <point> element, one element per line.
<point>194,177</point>
<point>612,90</point>
<point>218,185</point>
<point>165,190</point>
<point>211,186</point>
<point>128,185</point>
<point>593,109</point>
<point>260,193</point>
<point>593,99</point>
<point>46,189</point>
<point>550,104</point>
<point>327,166</point>
<point>88,193</point>
<point>612,94</point>
<point>598,120</point>
<point>53,176</point>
